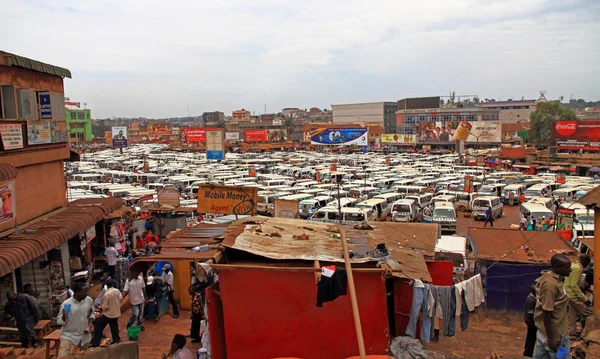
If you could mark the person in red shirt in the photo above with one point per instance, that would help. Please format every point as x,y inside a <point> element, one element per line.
<point>149,237</point>
<point>140,243</point>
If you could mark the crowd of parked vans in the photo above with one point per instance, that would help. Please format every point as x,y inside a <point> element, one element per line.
<point>362,187</point>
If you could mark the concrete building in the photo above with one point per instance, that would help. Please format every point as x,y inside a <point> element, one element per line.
<point>240,115</point>
<point>379,113</point>
<point>407,121</point>
<point>212,117</point>
<point>79,125</point>
<point>589,114</point>
<point>272,124</point>
<point>36,223</point>
<point>291,112</point>
<point>512,111</point>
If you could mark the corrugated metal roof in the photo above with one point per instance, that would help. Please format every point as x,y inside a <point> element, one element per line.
<point>7,172</point>
<point>42,236</point>
<point>274,238</point>
<point>592,198</point>
<point>24,62</point>
<point>419,236</point>
<point>169,254</point>
<point>508,245</point>
<point>190,237</point>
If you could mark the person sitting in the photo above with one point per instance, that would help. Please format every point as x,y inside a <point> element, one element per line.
<point>178,349</point>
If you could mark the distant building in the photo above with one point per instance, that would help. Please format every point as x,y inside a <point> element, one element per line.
<point>212,117</point>
<point>240,115</point>
<point>407,121</point>
<point>79,125</point>
<point>290,111</point>
<point>589,114</point>
<point>416,103</point>
<point>512,111</point>
<point>314,111</point>
<point>272,124</point>
<point>379,113</point>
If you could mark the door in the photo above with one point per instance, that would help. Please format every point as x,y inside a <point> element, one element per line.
<point>216,322</point>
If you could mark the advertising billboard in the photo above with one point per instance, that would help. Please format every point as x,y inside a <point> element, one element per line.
<point>215,144</point>
<point>575,135</point>
<point>197,134</point>
<point>12,136</point>
<point>468,131</point>
<point>119,136</point>
<point>339,136</point>
<point>38,132</point>
<point>265,135</point>
<point>232,136</point>
<point>8,208</point>
<point>397,138</point>
<point>159,129</point>
<point>227,199</point>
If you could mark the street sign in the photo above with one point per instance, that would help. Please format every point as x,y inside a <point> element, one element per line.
<point>523,133</point>
<point>214,155</point>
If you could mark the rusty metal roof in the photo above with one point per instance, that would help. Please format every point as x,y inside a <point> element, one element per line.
<point>274,238</point>
<point>509,245</point>
<point>592,198</point>
<point>418,236</point>
<point>193,236</point>
<point>169,254</point>
<point>24,62</point>
<point>7,172</point>
<point>20,248</point>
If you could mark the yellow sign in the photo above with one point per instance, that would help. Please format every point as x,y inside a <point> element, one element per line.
<point>227,199</point>
<point>391,138</point>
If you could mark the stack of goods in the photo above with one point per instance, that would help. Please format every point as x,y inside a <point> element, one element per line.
<point>57,285</point>
<point>122,270</point>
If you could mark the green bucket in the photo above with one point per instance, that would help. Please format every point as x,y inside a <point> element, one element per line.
<point>134,332</point>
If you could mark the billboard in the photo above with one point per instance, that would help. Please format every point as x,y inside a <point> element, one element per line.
<point>197,134</point>
<point>232,136</point>
<point>8,208</point>
<point>158,129</point>
<point>168,196</point>
<point>215,144</point>
<point>265,135</point>
<point>227,199</point>
<point>12,136</point>
<point>575,135</point>
<point>38,132</point>
<point>339,136</point>
<point>397,138</point>
<point>468,131</point>
<point>119,136</point>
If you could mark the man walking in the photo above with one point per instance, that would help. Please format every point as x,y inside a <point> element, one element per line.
<point>111,311</point>
<point>551,307</point>
<point>76,316</point>
<point>24,309</point>
<point>197,314</point>
<point>137,297</point>
<point>579,304</point>
<point>489,217</point>
<point>531,329</point>
<point>111,259</point>
<point>167,278</point>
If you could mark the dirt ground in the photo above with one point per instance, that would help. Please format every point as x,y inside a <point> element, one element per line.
<point>493,331</point>
<point>511,216</point>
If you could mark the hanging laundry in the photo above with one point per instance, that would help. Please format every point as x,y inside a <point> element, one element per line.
<point>331,285</point>
<point>420,300</point>
<point>464,315</point>
<point>473,290</point>
<point>445,297</point>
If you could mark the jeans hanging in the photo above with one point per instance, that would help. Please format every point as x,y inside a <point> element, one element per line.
<point>420,299</point>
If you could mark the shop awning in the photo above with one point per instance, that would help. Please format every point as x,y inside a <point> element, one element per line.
<point>50,232</point>
<point>7,172</point>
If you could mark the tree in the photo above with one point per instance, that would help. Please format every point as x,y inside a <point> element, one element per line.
<point>543,116</point>
<point>221,124</point>
<point>289,126</point>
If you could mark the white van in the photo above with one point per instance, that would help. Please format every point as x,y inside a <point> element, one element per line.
<point>376,208</point>
<point>422,200</point>
<point>538,190</point>
<point>307,207</point>
<point>406,210</point>
<point>390,197</point>
<point>453,248</point>
<point>331,215</point>
<point>444,215</point>
<point>343,202</point>
<point>546,201</point>
<point>516,189</point>
<point>481,204</point>
<point>266,200</point>
<point>536,210</point>
<point>444,198</point>
<point>568,194</point>
<point>297,197</point>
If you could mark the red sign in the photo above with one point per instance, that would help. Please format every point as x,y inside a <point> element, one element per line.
<point>576,135</point>
<point>159,129</point>
<point>255,135</point>
<point>197,134</point>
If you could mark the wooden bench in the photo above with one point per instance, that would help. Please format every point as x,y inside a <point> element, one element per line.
<point>42,328</point>
<point>52,338</point>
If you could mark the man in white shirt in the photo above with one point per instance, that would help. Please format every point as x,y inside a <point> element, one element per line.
<point>167,278</point>
<point>76,316</point>
<point>137,297</point>
<point>111,258</point>
<point>111,311</point>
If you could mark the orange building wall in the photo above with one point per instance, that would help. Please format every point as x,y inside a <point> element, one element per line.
<point>30,79</point>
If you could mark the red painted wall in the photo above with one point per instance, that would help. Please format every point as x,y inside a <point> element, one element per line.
<point>274,314</point>
<point>441,272</point>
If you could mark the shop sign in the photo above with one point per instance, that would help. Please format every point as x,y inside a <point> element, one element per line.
<point>12,136</point>
<point>227,200</point>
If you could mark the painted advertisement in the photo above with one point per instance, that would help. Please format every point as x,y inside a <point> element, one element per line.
<point>575,135</point>
<point>159,129</point>
<point>398,139</point>
<point>227,200</point>
<point>8,209</point>
<point>215,144</point>
<point>339,136</point>
<point>12,136</point>
<point>468,131</point>
<point>232,136</point>
<point>38,132</point>
<point>267,136</point>
<point>197,135</point>
<point>169,197</point>
<point>119,136</point>
<point>45,102</point>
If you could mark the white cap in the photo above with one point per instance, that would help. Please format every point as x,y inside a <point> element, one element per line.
<point>149,280</point>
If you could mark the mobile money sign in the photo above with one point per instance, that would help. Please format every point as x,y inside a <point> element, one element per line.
<point>227,200</point>
<point>339,136</point>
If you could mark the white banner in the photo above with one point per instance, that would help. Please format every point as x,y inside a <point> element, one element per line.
<point>232,136</point>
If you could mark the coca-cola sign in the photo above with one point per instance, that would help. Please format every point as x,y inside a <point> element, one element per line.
<point>566,128</point>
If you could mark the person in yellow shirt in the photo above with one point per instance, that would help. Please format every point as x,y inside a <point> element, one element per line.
<point>579,304</point>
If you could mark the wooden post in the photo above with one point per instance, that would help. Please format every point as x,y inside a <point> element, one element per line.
<point>353,300</point>
<point>596,259</point>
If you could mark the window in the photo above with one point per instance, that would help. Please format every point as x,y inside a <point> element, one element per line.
<point>320,215</point>
<point>9,102</point>
<point>72,115</point>
<point>81,115</point>
<point>27,104</point>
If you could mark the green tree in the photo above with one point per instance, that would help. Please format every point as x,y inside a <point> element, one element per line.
<point>221,124</point>
<point>288,125</point>
<point>543,116</point>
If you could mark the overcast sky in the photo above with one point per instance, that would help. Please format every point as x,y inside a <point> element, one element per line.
<point>154,58</point>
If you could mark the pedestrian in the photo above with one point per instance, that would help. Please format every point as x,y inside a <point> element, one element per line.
<point>419,217</point>
<point>522,198</point>
<point>531,329</point>
<point>23,308</point>
<point>489,217</point>
<point>137,297</point>
<point>76,317</point>
<point>523,223</point>
<point>167,278</point>
<point>152,292</point>
<point>140,243</point>
<point>579,305</point>
<point>197,314</point>
<point>533,224</point>
<point>111,259</point>
<point>178,349</point>
<point>394,215</point>
<point>550,314</point>
<point>103,279</point>
<point>111,311</point>
<point>28,290</point>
